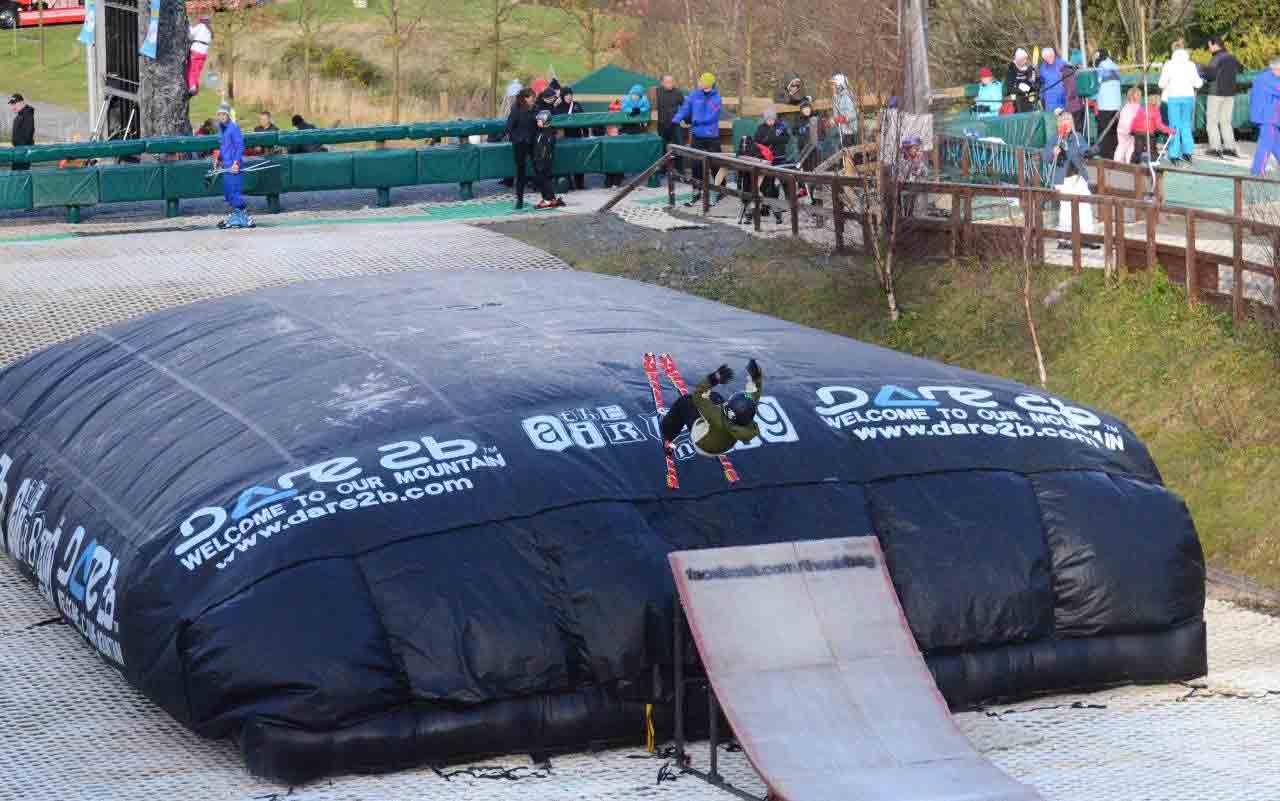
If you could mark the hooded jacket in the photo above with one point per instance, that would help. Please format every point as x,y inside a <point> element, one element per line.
<point>1222,72</point>
<point>230,145</point>
<point>1264,99</point>
<point>1074,101</point>
<point>669,101</point>
<point>24,127</point>
<point>1052,90</point>
<point>522,124</point>
<point>632,106</point>
<point>1179,76</point>
<point>702,110</point>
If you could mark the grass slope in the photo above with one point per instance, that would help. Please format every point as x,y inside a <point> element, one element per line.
<point>1204,395</point>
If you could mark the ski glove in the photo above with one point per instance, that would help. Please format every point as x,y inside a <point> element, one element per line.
<point>1022,87</point>
<point>722,375</point>
<point>841,120</point>
<point>753,370</point>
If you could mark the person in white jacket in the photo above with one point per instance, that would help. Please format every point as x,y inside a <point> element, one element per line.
<point>1179,80</point>
<point>201,38</point>
<point>845,109</point>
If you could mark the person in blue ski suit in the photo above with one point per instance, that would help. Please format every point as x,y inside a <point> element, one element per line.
<point>231,158</point>
<point>1264,112</point>
<point>701,109</point>
<point>1053,89</point>
<point>636,104</point>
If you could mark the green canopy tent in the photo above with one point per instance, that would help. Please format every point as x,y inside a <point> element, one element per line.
<point>609,80</point>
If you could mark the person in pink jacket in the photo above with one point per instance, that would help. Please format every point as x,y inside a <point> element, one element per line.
<point>1124,126</point>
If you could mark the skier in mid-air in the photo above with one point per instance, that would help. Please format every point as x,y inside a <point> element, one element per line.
<point>716,425</point>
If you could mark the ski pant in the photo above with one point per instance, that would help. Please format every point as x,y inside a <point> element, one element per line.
<point>1217,118</point>
<point>522,151</point>
<point>1107,144</point>
<point>542,180</point>
<point>674,135</point>
<point>1124,148</point>
<point>709,144</point>
<point>682,415</point>
<point>1268,145</point>
<point>232,185</point>
<point>194,67</point>
<point>1181,113</point>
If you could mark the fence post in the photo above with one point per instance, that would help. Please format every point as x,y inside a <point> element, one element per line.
<point>837,212</point>
<point>1193,282</point>
<point>1022,167</point>
<point>1237,269</point>
<point>755,198</point>
<point>1122,253</point>
<point>706,186</point>
<point>1160,188</point>
<point>795,206</point>
<point>1151,237</point>
<point>1237,205</point>
<point>1102,177</point>
<point>671,182</point>
<point>957,208</point>
<point>1108,240</point>
<point>1077,264</point>
<point>936,155</point>
<point>964,158</point>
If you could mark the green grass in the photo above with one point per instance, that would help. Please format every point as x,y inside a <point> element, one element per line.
<point>61,81</point>
<point>1202,393</point>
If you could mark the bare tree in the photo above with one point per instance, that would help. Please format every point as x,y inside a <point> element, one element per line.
<point>312,18</point>
<point>163,104</point>
<point>229,24</point>
<point>402,18</point>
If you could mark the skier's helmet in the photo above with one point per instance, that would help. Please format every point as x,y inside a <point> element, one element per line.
<point>740,409</point>
<point>543,117</point>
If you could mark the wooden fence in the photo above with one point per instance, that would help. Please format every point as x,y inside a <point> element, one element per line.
<point>962,236</point>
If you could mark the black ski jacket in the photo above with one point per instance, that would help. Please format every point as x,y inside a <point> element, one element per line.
<point>522,125</point>
<point>1221,74</point>
<point>24,127</point>
<point>668,103</point>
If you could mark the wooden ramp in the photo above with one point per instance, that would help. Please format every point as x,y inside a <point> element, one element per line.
<point>815,667</point>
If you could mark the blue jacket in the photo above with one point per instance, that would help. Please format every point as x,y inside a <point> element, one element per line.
<point>230,145</point>
<point>632,106</point>
<point>990,98</point>
<point>702,110</point>
<point>1074,152</point>
<point>1109,98</point>
<point>1053,91</point>
<point>1264,99</point>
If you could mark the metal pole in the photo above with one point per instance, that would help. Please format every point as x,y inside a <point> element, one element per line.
<point>678,655</point>
<point>1065,31</point>
<point>1084,49</point>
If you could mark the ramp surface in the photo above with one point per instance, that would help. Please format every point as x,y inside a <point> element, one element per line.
<point>818,674</point>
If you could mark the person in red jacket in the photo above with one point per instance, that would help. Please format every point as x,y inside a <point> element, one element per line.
<point>1146,124</point>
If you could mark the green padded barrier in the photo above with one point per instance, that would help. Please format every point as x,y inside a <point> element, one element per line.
<point>1087,84</point>
<point>597,119</point>
<point>469,127</point>
<point>6,154</point>
<point>312,171</point>
<point>185,179</point>
<point>268,182</point>
<point>630,153</point>
<point>449,164</point>
<point>181,144</point>
<point>130,182</point>
<point>261,138</point>
<point>494,160</point>
<point>578,156</point>
<point>77,187</point>
<point>744,126</point>
<point>426,130</point>
<point>338,136</point>
<point>15,190</point>
<point>377,169</point>
<point>86,150</point>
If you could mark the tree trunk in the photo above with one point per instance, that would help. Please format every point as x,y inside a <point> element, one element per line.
<point>592,39</point>
<point>306,74</point>
<point>231,68</point>
<point>163,105</point>
<point>748,79</point>
<point>497,59</point>
<point>395,78</point>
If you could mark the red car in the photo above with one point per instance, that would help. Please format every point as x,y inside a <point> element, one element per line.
<point>26,14</point>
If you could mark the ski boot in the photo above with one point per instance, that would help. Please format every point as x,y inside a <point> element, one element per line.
<point>238,218</point>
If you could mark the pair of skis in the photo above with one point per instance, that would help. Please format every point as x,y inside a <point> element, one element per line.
<point>652,363</point>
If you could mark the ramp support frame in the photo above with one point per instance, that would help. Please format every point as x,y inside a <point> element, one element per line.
<point>683,760</point>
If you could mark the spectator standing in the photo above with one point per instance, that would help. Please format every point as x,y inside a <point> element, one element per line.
<point>1053,94</point>
<point>1076,106</point>
<point>230,157</point>
<point>636,104</point>
<point>1220,105</point>
<point>544,156</point>
<point>701,109</point>
<point>844,109</point>
<point>264,124</point>
<point>201,37</point>
<point>568,107</point>
<point>1109,102</point>
<point>24,127</point>
<point>990,94</point>
<point>1264,112</point>
<point>1146,123</point>
<point>1124,126</point>
<point>1022,82</point>
<point>1179,80</point>
<point>668,100</point>
<point>522,129</point>
<point>772,134</point>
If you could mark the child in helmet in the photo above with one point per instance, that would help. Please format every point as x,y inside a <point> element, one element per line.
<point>716,425</point>
<point>544,153</point>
